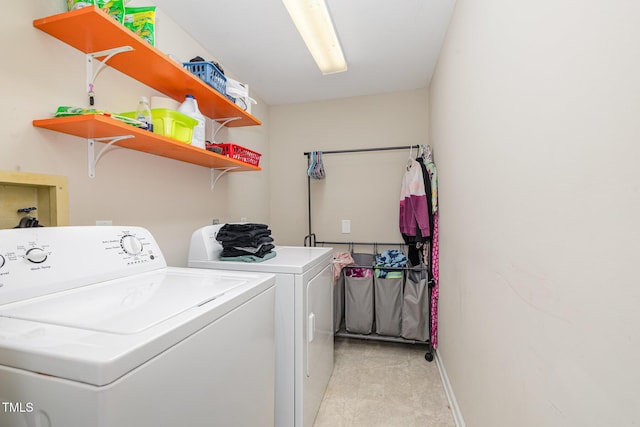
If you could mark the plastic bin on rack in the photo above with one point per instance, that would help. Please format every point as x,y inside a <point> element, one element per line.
<point>415,305</point>
<point>210,74</point>
<point>388,305</point>
<point>238,152</point>
<point>358,295</point>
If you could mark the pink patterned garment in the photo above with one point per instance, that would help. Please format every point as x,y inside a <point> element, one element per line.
<point>436,278</point>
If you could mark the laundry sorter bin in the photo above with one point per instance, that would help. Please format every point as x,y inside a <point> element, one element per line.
<point>416,305</point>
<point>379,302</point>
<point>394,308</point>
<point>358,294</point>
<point>388,293</point>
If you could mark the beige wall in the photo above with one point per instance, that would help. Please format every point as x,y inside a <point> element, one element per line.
<point>534,122</point>
<point>169,197</point>
<point>362,187</point>
<point>534,112</point>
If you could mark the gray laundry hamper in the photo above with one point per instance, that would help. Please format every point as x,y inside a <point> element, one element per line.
<point>358,295</point>
<point>388,305</point>
<point>338,302</point>
<point>415,305</point>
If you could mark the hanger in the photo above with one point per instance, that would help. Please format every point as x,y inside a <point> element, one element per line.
<point>316,168</point>
<point>410,159</point>
<point>428,156</point>
<point>312,163</point>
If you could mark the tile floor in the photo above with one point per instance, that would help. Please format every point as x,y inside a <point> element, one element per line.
<point>383,384</point>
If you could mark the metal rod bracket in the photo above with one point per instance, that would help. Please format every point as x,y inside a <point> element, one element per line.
<point>220,126</point>
<point>92,159</point>
<point>93,56</point>
<point>216,174</point>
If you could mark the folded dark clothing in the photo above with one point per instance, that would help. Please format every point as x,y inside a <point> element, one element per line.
<point>249,258</point>
<point>231,252</point>
<point>235,253</point>
<point>224,236</point>
<point>243,227</point>
<point>259,241</point>
<point>246,242</point>
<point>250,249</point>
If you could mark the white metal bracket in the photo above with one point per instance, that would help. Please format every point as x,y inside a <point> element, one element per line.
<point>92,158</point>
<point>222,125</point>
<point>91,57</point>
<point>216,174</point>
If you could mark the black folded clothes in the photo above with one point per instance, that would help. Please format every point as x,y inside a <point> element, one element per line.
<point>245,242</point>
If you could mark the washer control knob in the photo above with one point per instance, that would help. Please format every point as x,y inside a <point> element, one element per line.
<point>36,255</point>
<point>2,261</point>
<point>131,244</point>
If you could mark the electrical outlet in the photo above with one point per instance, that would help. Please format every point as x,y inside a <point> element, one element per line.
<point>243,219</point>
<point>104,222</point>
<point>215,221</point>
<point>346,226</point>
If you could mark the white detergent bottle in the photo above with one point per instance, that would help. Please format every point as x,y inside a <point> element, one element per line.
<point>190,108</point>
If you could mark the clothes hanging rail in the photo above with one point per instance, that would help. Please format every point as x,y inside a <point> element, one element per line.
<point>310,238</point>
<point>360,243</point>
<point>361,150</point>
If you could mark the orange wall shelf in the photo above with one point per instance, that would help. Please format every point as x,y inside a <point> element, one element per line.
<point>91,30</point>
<point>98,126</point>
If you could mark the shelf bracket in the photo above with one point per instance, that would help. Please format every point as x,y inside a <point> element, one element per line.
<point>222,125</point>
<point>92,158</point>
<point>216,174</point>
<point>91,57</point>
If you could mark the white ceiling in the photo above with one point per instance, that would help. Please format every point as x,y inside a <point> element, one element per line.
<point>389,45</point>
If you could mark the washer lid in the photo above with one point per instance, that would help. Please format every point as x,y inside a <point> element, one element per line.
<point>125,306</point>
<point>98,333</point>
<point>288,259</point>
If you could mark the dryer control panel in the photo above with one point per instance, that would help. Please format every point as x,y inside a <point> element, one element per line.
<point>41,261</point>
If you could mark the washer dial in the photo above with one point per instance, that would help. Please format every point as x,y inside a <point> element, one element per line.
<point>131,244</point>
<point>36,255</point>
<point>2,261</point>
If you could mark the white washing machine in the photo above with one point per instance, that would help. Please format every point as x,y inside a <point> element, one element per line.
<point>97,331</point>
<point>304,320</point>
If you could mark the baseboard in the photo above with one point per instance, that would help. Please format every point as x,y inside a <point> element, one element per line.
<point>453,403</point>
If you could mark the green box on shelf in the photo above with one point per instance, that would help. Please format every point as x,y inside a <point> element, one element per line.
<point>170,123</point>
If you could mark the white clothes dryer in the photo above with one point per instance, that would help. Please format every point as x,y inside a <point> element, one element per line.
<point>304,320</point>
<point>96,330</point>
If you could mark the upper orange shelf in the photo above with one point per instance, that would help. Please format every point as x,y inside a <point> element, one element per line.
<point>91,30</point>
<point>99,126</point>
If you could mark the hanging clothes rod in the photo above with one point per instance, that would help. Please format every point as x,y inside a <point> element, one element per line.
<point>360,243</point>
<point>310,238</point>
<point>360,150</point>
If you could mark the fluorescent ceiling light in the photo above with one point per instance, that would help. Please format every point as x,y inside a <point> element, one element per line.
<point>314,25</point>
